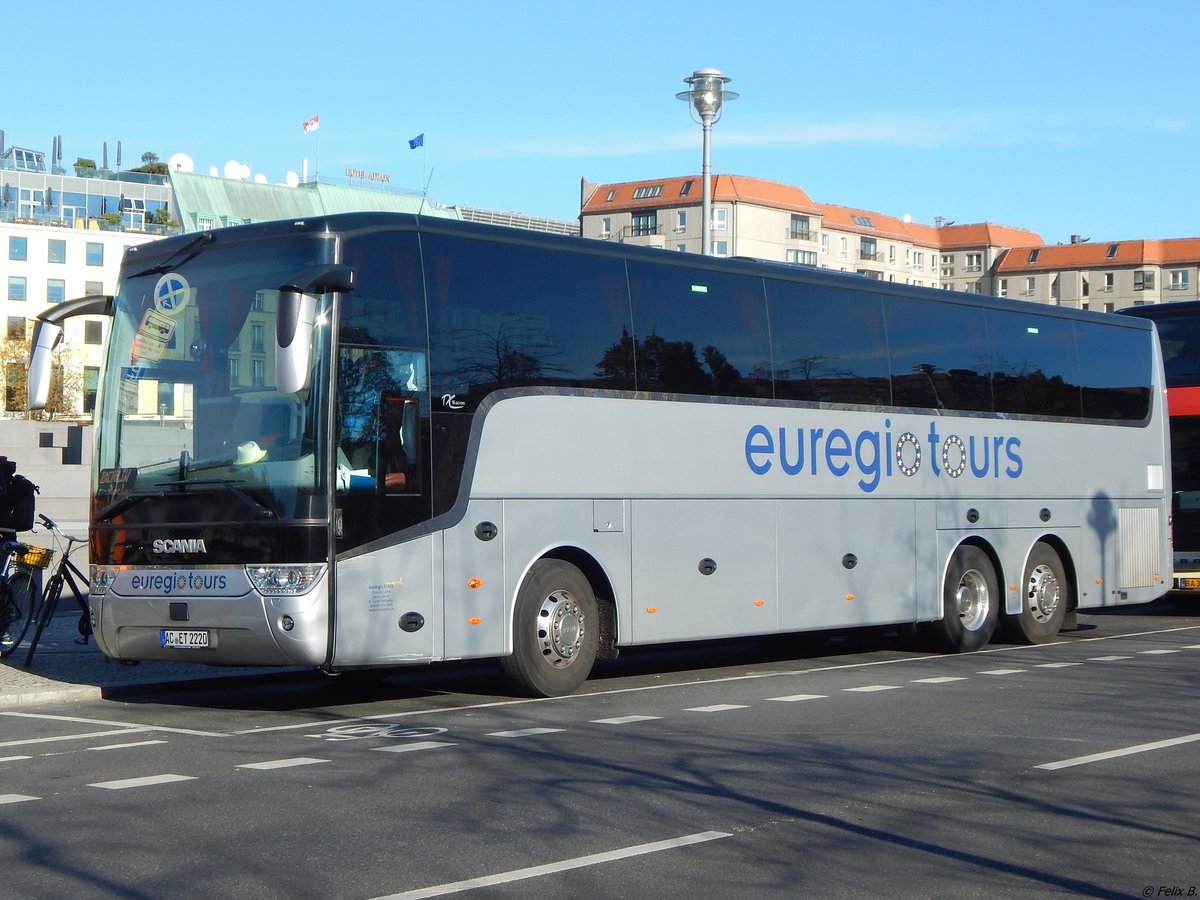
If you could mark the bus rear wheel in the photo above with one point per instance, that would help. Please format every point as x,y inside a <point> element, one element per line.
<point>556,631</point>
<point>1044,598</point>
<point>970,597</point>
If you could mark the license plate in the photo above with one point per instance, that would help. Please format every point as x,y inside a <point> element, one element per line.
<point>183,639</point>
<point>1189,584</point>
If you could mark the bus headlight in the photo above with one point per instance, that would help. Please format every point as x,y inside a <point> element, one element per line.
<point>284,580</point>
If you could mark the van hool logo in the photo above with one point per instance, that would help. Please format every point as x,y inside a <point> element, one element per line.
<point>179,545</point>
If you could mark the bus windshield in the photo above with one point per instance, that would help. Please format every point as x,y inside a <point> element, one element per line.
<point>190,423</point>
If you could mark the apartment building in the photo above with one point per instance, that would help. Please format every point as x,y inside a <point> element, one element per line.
<point>766,220</point>
<point>1102,276</point>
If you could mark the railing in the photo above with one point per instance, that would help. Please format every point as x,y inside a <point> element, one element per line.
<point>52,219</point>
<point>801,234</point>
<point>870,255</point>
<point>637,231</point>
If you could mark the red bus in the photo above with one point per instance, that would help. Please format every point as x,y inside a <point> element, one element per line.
<point>1179,335</point>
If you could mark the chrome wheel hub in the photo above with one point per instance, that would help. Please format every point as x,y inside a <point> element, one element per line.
<point>560,628</point>
<point>1042,593</point>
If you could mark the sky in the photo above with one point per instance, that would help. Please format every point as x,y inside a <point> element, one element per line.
<point>1065,117</point>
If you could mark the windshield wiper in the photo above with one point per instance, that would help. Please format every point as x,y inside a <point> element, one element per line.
<point>113,509</point>
<point>180,256</point>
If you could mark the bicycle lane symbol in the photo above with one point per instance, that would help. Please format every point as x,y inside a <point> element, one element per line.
<point>362,731</point>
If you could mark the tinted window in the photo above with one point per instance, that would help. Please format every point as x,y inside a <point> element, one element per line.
<point>506,315</point>
<point>699,331</point>
<point>1035,367</point>
<point>1179,335</point>
<point>382,453</point>
<point>939,355</point>
<point>1115,371</point>
<point>828,345</point>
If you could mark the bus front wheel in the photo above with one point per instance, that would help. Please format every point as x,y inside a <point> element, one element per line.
<point>1044,598</point>
<point>970,602</point>
<point>556,631</point>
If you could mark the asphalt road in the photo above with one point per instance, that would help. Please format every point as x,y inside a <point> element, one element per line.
<point>862,769</point>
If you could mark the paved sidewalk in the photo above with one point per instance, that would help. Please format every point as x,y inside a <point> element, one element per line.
<point>63,671</point>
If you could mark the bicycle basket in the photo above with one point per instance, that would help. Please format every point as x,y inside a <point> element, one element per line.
<point>36,558</point>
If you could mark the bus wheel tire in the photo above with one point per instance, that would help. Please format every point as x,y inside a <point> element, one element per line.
<point>556,631</point>
<point>970,603</point>
<point>1044,598</point>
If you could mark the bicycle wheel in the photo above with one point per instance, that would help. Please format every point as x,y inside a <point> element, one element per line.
<point>18,596</point>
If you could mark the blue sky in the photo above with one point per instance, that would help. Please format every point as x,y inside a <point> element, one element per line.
<point>1061,116</point>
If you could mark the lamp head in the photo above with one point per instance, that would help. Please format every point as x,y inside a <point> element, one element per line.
<point>707,94</point>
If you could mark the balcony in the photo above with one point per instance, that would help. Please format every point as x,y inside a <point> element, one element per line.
<point>870,256</point>
<point>801,234</point>
<point>642,235</point>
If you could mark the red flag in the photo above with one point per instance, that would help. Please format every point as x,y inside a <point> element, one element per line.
<point>311,125</point>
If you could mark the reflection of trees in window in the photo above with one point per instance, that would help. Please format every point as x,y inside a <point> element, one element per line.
<point>512,354</point>
<point>673,366</point>
<point>363,373</point>
<point>828,379</point>
<point>1022,389</point>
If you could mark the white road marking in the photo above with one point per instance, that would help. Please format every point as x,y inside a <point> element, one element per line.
<point>940,679</point>
<point>524,732</point>
<point>4,759</point>
<point>145,781</point>
<point>796,698</point>
<point>1057,665</point>
<point>872,688</point>
<point>723,679</point>
<point>1000,672</point>
<point>716,707</point>
<point>126,746</point>
<point>1108,658</point>
<point>624,720</point>
<point>1156,652</point>
<point>71,737</point>
<point>283,763</point>
<point>128,726</point>
<point>16,798</point>
<point>417,745</point>
<point>1124,751</point>
<point>565,865</point>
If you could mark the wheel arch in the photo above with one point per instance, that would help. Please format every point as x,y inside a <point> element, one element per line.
<point>602,589</point>
<point>1059,546</point>
<point>981,543</point>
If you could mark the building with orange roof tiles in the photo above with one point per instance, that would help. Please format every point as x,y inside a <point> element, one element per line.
<point>753,217</point>
<point>1101,275</point>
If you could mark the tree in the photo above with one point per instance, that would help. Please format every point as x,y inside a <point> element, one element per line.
<point>65,400</point>
<point>151,166</point>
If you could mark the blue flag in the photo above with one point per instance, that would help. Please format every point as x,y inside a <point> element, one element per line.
<point>418,141</point>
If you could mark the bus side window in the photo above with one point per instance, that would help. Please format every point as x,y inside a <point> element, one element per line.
<point>397,443</point>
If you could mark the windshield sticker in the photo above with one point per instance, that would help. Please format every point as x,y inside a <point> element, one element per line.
<point>127,399</point>
<point>172,293</point>
<point>153,335</point>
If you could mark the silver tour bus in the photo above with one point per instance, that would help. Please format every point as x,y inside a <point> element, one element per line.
<point>378,440</point>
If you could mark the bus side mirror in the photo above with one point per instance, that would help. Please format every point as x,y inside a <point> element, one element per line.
<point>294,322</point>
<point>45,337</point>
<point>293,340</point>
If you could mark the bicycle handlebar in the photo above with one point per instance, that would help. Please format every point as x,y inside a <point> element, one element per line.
<point>53,526</point>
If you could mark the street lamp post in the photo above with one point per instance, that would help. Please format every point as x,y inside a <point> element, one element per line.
<point>706,96</point>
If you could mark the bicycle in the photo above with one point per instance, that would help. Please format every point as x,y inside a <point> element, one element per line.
<point>65,575</point>
<point>18,591</point>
